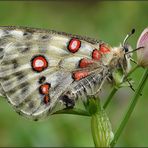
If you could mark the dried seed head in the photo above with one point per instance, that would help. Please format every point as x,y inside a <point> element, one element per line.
<point>142,54</point>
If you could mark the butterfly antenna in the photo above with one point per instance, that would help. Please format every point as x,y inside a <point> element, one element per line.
<point>125,42</point>
<point>134,50</point>
<point>127,37</point>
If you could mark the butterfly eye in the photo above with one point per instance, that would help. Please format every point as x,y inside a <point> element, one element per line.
<point>126,49</point>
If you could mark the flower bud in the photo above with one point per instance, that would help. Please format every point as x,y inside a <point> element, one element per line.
<point>142,53</point>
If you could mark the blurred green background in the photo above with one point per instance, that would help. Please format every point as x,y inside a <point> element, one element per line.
<point>109,21</point>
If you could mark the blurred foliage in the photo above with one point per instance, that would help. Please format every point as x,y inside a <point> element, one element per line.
<point>109,21</point>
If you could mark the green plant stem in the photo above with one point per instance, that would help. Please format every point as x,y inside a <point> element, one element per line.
<point>115,88</point>
<point>109,98</point>
<point>94,130</point>
<point>74,111</point>
<point>130,108</point>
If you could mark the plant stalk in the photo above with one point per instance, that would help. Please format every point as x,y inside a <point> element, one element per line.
<point>94,130</point>
<point>109,98</point>
<point>115,88</point>
<point>130,108</point>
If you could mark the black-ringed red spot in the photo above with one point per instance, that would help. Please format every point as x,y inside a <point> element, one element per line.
<point>83,63</point>
<point>104,49</point>
<point>44,88</point>
<point>78,75</point>
<point>39,63</point>
<point>74,45</point>
<point>46,99</point>
<point>96,55</point>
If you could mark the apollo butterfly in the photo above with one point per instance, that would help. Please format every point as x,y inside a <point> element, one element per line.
<point>40,69</point>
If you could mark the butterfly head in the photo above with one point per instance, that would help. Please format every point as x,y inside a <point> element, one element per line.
<point>122,54</point>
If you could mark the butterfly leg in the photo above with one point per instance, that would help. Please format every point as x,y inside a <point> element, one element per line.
<point>132,60</point>
<point>130,84</point>
<point>98,90</point>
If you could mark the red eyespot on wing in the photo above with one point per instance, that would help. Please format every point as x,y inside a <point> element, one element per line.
<point>85,63</point>
<point>46,99</point>
<point>104,49</point>
<point>96,55</point>
<point>44,88</point>
<point>39,63</point>
<point>74,45</point>
<point>78,75</point>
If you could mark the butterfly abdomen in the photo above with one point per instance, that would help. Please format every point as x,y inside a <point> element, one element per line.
<point>82,89</point>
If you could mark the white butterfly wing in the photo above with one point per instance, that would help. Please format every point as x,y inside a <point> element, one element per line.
<point>37,67</point>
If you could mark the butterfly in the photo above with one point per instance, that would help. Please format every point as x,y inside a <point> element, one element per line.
<point>41,70</point>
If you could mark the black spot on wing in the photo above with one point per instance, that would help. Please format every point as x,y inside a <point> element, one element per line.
<point>27,35</point>
<point>24,87</point>
<point>19,75</point>
<point>69,103</point>
<point>42,79</point>
<point>15,64</point>
<point>68,99</point>
<point>23,47</point>
<point>1,53</point>
<point>45,37</point>
<point>1,50</point>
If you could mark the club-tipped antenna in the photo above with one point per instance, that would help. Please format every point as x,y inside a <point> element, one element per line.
<point>134,50</point>
<point>127,36</point>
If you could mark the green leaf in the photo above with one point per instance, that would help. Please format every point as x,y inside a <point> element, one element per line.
<point>73,111</point>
